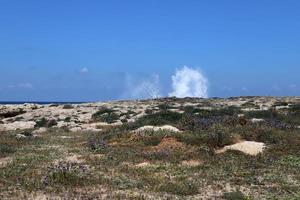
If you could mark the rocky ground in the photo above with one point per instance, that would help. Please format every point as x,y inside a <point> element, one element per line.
<point>235,148</point>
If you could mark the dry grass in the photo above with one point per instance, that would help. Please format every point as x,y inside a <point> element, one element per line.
<point>118,163</point>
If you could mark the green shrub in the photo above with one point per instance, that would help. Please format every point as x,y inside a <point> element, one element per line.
<point>43,122</point>
<point>12,113</point>
<point>218,136</point>
<point>105,115</point>
<point>6,149</point>
<point>265,114</point>
<point>280,103</point>
<point>294,108</point>
<point>68,106</point>
<point>250,105</point>
<point>164,106</point>
<point>160,118</point>
<point>231,110</point>
<point>67,119</point>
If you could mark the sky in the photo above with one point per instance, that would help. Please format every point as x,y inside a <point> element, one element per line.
<point>105,50</point>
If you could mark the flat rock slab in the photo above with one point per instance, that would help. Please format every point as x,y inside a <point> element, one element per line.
<point>247,147</point>
<point>158,128</point>
<point>17,125</point>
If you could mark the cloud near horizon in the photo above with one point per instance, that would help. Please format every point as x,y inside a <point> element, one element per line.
<point>84,70</point>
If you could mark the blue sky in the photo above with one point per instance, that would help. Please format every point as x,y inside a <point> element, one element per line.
<point>101,50</point>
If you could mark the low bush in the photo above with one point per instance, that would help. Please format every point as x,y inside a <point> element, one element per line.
<point>105,115</point>
<point>97,144</point>
<point>280,103</point>
<point>218,138</point>
<point>67,119</point>
<point>43,122</point>
<point>195,123</point>
<point>250,105</point>
<point>231,110</point>
<point>265,114</point>
<point>294,108</point>
<point>12,113</point>
<point>65,173</point>
<point>68,106</point>
<point>6,149</point>
<point>160,118</point>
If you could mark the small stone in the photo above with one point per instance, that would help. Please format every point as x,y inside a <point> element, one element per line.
<point>75,129</point>
<point>255,120</point>
<point>20,136</point>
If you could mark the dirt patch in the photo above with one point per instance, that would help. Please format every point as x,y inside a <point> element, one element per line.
<point>191,163</point>
<point>96,156</point>
<point>170,143</point>
<point>143,164</point>
<point>71,158</point>
<point>5,161</point>
<point>74,158</point>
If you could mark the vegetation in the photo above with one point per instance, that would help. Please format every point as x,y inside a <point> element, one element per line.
<point>68,106</point>
<point>159,118</point>
<point>43,122</point>
<point>12,113</point>
<point>105,115</point>
<point>235,196</point>
<point>120,163</point>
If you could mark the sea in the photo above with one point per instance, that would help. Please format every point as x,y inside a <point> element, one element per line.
<point>37,102</point>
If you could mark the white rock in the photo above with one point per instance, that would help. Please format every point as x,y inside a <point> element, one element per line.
<point>91,129</point>
<point>20,136</point>
<point>40,130</point>
<point>17,125</point>
<point>255,120</point>
<point>241,115</point>
<point>75,129</point>
<point>158,128</point>
<point>281,107</point>
<point>247,147</point>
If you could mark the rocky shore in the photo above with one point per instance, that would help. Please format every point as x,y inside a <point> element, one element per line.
<point>79,117</point>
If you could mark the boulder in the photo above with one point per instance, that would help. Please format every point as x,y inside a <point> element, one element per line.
<point>158,128</point>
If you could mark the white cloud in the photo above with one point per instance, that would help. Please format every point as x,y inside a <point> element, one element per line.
<point>244,88</point>
<point>25,85</point>
<point>226,88</point>
<point>189,82</point>
<point>20,86</point>
<point>276,88</point>
<point>147,88</point>
<point>84,70</point>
